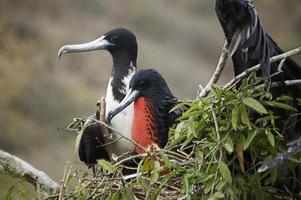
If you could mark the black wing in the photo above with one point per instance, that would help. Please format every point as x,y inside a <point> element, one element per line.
<point>248,43</point>
<point>91,143</point>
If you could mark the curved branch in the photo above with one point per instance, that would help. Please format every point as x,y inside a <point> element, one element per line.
<point>256,67</point>
<point>18,168</point>
<point>217,73</point>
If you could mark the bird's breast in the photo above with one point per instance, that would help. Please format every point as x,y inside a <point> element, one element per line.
<point>144,126</point>
<point>121,122</point>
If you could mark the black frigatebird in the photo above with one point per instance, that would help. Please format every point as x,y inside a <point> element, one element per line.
<point>249,45</point>
<point>153,101</point>
<point>122,45</point>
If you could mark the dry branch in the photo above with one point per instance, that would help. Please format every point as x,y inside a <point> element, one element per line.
<point>296,82</point>
<point>18,168</point>
<point>217,73</point>
<point>256,67</point>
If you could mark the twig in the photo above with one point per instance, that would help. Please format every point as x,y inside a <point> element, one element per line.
<point>18,168</point>
<point>296,82</point>
<point>130,158</point>
<point>62,189</point>
<point>120,134</point>
<point>109,143</point>
<point>215,122</point>
<point>256,67</point>
<point>39,191</point>
<point>288,83</point>
<point>218,71</point>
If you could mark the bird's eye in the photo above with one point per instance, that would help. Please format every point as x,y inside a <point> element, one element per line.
<point>142,83</point>
<point>114,39</point>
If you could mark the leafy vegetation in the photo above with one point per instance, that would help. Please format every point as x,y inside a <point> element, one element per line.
<point>213,153</point>
<point>40,94</point>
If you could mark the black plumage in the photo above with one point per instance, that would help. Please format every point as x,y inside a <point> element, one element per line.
<point>91,144</point>
<point>91,141</point>
<point>249,45</point>
<point>150,85</point>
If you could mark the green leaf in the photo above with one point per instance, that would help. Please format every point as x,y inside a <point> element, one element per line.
<point>224,170</point>
<point>234,117</point>
<point>128,194</point>
<point>9,193</point>
<point>115,196</point>
<point>244,116</point>
<point>186,184</point>
<point>249,140</point>
<point>155,173</point>
<point>148,165</point>
<point>228,145</point>
<point>254,104</point>
<point>266,119</point>
<point>285,98</point>
<point>187,141</point>
<point>283,106</point>
<point>270,137</point>
<point>178,130</point>
<point>107,166</point>
<point>208,187</point>
<point>177,140</point>
<point>218,195</point>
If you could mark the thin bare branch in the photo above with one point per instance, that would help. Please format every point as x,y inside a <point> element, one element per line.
<point>296,82</point>
<point>291,53</point>
<point>217,73</point>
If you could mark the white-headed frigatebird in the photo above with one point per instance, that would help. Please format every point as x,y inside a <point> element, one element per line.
<point>153,101</point>
<point>122,45</point>
<point>249,45</point>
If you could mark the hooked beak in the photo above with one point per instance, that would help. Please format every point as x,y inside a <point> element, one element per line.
<point>131,96</point>
<point>98,44</point>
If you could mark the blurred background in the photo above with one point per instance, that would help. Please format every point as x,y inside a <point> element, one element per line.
<point>40,94</point>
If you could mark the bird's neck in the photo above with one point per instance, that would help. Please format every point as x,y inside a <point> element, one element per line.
<point>123,69</point>
<point>144,128</point>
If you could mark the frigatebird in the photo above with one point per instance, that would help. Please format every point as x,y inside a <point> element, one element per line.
<point>249,45</point>
<point>122,45</point>
<point>153,101</point>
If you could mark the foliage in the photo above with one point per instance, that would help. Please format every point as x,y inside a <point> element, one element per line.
<point>16,191</point>
<point>213,153</point>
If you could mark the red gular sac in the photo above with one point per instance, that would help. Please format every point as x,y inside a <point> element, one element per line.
<point>144,128</point>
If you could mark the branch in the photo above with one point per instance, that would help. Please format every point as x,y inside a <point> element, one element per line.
<point>288,83</point>
<point>256,67</point>
<point>218,71</point>
<point>296,82</point>
<point>16,167</point>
